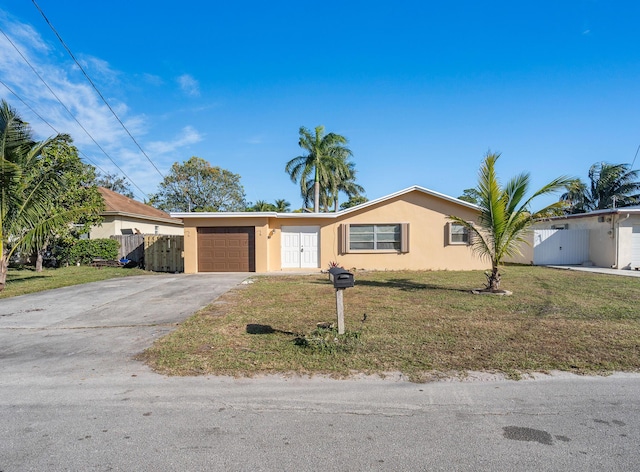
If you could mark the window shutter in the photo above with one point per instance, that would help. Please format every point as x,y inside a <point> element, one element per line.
<point>344,238</point>
<point>404,237</point>
<point>447,233</point>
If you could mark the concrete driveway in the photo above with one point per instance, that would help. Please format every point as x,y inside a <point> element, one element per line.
<point>98,327</point>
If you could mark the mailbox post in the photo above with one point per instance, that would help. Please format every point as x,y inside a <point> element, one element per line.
<point>341,279</point>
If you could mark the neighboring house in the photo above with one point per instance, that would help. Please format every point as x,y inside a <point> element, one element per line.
<point>123,215</point>
<point>406,230</point>
<point>602,238</point>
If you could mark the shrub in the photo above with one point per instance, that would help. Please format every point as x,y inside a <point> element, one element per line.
<point>85,250</point>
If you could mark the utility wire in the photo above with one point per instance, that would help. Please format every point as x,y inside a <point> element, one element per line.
<point>96,88</point>
<point>49,124</point>
<point>71,114</point>
<point>634,157</point>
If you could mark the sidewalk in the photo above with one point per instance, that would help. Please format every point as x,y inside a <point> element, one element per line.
<point>599,270</point>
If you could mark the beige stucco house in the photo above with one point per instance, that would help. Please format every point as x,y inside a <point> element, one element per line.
<point>405,230</point>
<point>123,215</point>
<point>603,238</point>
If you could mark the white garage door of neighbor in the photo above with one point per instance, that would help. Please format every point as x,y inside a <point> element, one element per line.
<point>560,246</point>
<point>299,247</point>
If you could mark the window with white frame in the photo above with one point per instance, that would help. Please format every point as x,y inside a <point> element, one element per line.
<point>375,237</point>
<point>458,234</point>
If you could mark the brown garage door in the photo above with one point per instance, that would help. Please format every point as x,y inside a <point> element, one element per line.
<point>228,249</point>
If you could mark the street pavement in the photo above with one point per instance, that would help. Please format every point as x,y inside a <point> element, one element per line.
<point>73,398</point>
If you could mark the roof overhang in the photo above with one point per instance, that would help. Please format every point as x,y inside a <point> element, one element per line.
<point>165,221</point>
<point>608,211</point>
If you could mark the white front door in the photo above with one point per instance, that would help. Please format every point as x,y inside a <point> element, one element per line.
<point>299,247</point>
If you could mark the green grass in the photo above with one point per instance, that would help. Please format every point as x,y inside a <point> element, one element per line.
<point>23,281</point>
<point>423,324</point>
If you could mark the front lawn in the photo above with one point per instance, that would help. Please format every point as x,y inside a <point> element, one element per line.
<point>423,324</point>
<point>27,280</point>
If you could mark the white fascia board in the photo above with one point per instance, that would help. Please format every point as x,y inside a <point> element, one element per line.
<point>252,214</point>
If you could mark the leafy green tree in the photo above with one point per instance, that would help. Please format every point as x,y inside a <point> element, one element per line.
<point>60,156</point>
<point>353,201</point>
<point>505,215</point>
<point>115,183</point>
<point>27,191</point>
<point>611,186</point>
<point>197,186</point>
<point>325,159</point>
<point>470,195</point>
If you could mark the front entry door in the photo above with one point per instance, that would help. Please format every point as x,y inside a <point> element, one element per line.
<point>299,247</point>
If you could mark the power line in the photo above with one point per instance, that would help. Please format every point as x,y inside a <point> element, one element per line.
<point>96,88</point>
<point>48,124</point>
<point>71,114</point>
<point>634,157</point>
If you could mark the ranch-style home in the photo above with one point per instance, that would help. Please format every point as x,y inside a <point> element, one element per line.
<point>603,238</point>
<point>405,230</point>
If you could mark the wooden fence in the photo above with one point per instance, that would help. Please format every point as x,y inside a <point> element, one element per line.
<point>164,253</point>
<point>131,247</point>
<point>157,253</point>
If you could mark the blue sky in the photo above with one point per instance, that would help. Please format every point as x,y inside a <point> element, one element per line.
<point>421,89</point>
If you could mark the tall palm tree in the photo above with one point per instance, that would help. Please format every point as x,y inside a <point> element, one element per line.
<point>325,160</point>
<point>348,185</point>
<point>504,215</point>
<point>611,185</point>
<point>330,190</point>
<point>27,191</point>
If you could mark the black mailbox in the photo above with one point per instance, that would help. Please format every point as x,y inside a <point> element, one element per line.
<point>341,278</point>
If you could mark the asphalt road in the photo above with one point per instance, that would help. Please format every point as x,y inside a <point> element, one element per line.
<point>72,398</point>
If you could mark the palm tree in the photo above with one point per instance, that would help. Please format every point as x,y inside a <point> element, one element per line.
<point>262,205</point>
<point>505,216</point>
<point>330,190</point>
<point>325,159</point>
<point>348,185</point>
<point>611,186</point>
<point>27,191</point>
<point>576,197</point>
<point>282,206</point>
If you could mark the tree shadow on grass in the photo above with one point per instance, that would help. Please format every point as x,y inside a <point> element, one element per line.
<point>253,328</point>
<point>18,279</point>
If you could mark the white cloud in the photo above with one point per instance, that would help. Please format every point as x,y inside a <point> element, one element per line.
<point>64,79</point>
<point>189,85</point>
<point>153,79</point>
<point>188,136</point>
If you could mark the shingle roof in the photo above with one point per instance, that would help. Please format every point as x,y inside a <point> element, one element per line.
<point>118,203</point>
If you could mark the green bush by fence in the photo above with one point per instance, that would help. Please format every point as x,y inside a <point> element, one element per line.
<point>85,250</point>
